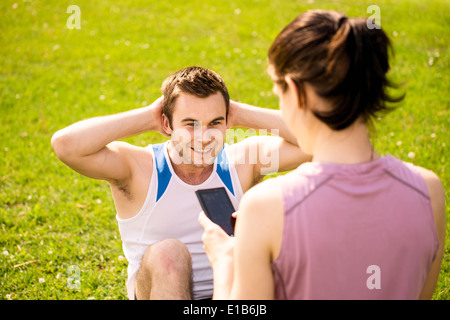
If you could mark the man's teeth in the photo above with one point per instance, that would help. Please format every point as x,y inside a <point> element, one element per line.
<point>201,150</point>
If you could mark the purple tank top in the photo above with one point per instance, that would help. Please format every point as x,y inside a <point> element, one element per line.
<point>363,231</point>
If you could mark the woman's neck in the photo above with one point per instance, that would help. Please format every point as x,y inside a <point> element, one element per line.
<point>349,146</point>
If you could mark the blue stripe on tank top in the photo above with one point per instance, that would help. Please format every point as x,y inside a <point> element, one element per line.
<point>164,174</point>
<point>223,170</point>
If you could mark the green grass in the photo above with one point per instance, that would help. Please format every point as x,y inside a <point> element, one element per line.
<point>52,218</point>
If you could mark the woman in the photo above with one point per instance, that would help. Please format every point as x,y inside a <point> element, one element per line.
<point>350,224</point>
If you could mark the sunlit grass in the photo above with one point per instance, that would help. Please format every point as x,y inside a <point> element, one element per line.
<point>52,218</point>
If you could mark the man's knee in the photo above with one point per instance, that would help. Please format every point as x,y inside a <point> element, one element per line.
<point>169,257</point>
<point>165,272</point>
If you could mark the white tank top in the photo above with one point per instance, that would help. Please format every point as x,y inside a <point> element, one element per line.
<point>171,210</point>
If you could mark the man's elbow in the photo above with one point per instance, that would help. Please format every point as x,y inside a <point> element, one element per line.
<point>60,143</point>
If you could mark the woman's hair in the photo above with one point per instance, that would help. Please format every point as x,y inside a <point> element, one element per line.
<point>197,81</point>
<point>341,58</point>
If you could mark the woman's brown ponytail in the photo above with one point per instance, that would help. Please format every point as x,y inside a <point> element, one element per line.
<point>342,59</point>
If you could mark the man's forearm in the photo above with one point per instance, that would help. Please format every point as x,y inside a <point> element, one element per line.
<point>258,118</point>
<point>89,136</point>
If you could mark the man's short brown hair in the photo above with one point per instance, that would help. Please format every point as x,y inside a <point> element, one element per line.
<point>200,82</point>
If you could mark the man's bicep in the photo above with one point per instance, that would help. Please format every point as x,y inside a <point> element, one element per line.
<point>257,156</point>
<point>275,154</point>
<point>111,163</point>
<point>291,156</point>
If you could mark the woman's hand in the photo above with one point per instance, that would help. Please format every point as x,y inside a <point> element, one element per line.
<point>219,247</point>
<point>216,241</point>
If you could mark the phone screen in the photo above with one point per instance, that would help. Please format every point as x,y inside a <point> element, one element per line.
<point>217,206</point>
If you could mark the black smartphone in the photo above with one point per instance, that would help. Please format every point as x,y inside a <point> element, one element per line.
<point>218,207</point>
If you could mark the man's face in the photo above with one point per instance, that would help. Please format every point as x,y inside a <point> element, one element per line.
<point>199,126</point>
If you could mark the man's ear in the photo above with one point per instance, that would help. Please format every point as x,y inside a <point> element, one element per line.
<point>166,125</point>
<point>232,106</point>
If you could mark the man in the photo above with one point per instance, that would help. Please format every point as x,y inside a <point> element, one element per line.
<point>153,187</point>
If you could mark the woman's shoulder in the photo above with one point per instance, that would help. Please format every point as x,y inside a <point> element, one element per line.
<point>431,179</point>
<point>270,195</point>
<point>436,195</point>
<point>264,193</point>
<point>435,192</point>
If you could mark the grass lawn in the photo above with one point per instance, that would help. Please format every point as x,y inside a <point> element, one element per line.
<point>57,226</point>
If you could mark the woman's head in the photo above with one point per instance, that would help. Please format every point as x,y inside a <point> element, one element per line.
<point>341,59</point>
